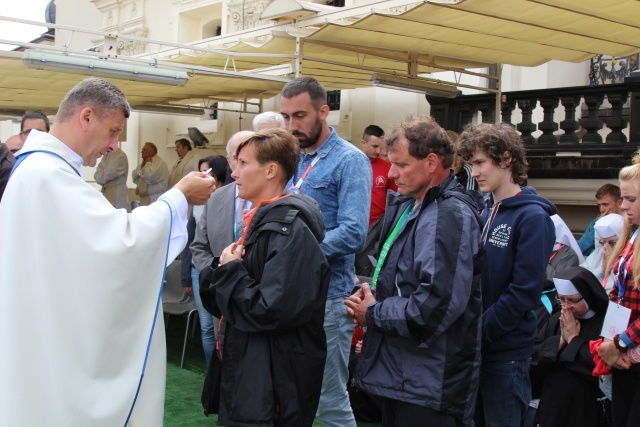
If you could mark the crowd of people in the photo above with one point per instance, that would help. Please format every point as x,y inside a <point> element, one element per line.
<point>471,301</point>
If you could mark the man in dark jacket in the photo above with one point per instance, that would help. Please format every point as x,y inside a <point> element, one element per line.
<point>518,239</point>
<point>421,351</point>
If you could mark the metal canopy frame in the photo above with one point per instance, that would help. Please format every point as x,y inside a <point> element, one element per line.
<point>343,47</point>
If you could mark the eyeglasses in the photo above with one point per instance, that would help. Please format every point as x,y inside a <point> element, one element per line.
<point>26,132</point>
<point>566,301</point>
<point>611,243</point>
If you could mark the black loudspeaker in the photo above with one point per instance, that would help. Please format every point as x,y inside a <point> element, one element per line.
<point>199,140</point>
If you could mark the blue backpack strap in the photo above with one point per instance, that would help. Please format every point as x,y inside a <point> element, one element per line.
<point>20,158</point>
<point>546,301</point>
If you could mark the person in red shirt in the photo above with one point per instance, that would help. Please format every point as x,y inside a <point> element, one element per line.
<point>372,147</point>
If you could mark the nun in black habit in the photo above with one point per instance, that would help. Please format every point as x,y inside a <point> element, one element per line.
<point>561,359</point>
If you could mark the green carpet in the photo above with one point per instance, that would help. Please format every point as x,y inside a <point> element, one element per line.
<point>182,406</point>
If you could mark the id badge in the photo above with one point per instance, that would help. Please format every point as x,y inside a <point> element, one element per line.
<point>616,320</point>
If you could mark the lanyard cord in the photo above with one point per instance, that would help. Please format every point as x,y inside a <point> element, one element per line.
<point>248,217</point>
<point>235,221</point>
<point>553,255</point>
<point>487,226</point>
<point>235,216</point>
<point>389,242</point>
<point>155,318</point>
<point>621,275</point>
<point>306,172</point>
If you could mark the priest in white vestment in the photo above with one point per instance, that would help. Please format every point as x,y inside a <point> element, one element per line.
<point>151,176</point>
<point>111,174</point>
<point>80,281</point>
<point>187,161</point>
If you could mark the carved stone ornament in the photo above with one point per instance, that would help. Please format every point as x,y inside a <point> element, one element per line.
<point>246,15</point>
<point>607,69</point>
<point>124,18</point>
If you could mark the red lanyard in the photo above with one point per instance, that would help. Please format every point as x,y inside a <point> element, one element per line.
<point>553,255</point>
<point>249,216</point>
<point>306,172</point>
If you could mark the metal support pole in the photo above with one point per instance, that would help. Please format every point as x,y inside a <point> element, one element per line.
<point>298,57</point>
<point>498,113</point>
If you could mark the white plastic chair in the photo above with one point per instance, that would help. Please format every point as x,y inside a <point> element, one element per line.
<point>176,302</point>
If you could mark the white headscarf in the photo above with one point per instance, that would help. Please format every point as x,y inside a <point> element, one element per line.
<point>564,236</point>
<point>608,226</point>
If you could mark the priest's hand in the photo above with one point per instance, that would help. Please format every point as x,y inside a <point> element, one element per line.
<point>196,187</point>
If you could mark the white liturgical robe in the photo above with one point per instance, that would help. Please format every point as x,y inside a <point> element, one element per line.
<point>80,285</point>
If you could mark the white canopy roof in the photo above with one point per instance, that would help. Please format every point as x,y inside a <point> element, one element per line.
<point>343,47</point>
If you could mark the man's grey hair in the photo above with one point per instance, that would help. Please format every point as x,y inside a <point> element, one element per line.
<point>237,137</point>
<point>268,120</point>
<point>100,95</point>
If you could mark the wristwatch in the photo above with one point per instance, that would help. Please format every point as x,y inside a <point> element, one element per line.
<point>620,345</point>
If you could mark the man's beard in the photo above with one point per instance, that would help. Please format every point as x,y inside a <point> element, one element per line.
<point>310,140</point>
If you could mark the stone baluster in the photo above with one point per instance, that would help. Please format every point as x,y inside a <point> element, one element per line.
<point>570,125</point>
<point>548,126</point>
<point>616,123</point>
<point>592,123</point>
<point>488,112</point>
<point>526,126</point>
<point>467,111</point>
<point>507,110</point>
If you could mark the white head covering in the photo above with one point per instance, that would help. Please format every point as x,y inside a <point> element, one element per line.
<point>578,280</point>
<point>609,226</point>
<point>564,236</point>
<point>565,287</point>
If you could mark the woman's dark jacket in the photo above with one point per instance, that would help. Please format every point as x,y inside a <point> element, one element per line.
<point>273,303</point>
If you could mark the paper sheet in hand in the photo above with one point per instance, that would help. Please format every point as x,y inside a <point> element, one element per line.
<point>616,320</point>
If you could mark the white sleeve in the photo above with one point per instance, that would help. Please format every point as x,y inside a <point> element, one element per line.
<point>155,172</point>
<point>99,175</point>
<point>117,167</point>
<point>178,236</point>
<point>136,173</point>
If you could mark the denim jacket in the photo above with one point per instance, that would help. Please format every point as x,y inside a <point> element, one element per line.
<point>341,184</point>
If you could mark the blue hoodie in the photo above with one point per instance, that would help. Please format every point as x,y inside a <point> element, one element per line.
<point>518,243</point>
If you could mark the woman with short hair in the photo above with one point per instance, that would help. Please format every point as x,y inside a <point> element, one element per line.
<point>270,287</point>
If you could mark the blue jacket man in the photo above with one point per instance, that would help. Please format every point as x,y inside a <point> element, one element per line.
<point>421,351</point>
